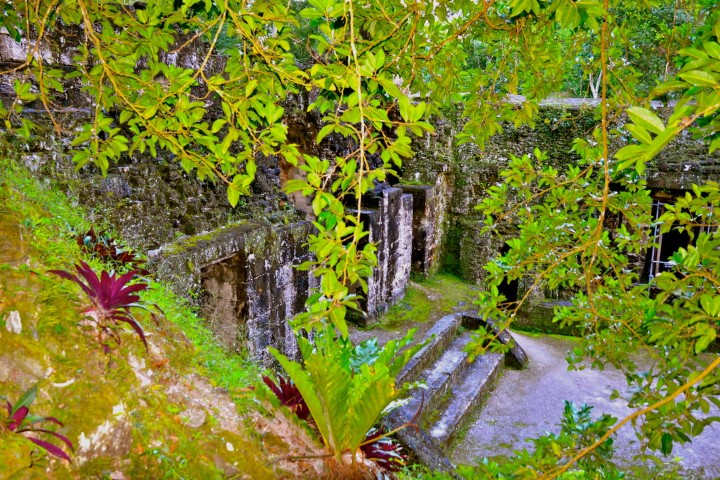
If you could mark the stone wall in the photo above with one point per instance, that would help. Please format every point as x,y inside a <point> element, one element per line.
<point>388,214</point>
<point>428,213</point>
<point>248,287</point>
<point>466,172</point>
<point>247,284</point>
<point>149,201</point>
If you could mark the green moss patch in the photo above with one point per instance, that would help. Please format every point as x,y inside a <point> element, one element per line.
<point>428,300</point>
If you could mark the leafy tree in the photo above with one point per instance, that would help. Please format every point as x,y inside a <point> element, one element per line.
<point>206,81</point>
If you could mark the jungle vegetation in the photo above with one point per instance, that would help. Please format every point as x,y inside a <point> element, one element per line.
<point>380,70</point>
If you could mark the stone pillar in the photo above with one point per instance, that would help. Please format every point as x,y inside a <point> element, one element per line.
<point>427,211</point>
<point>389,219</point>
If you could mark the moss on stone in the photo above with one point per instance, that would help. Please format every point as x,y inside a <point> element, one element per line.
<point>428,300</point>
<point>538,318</point>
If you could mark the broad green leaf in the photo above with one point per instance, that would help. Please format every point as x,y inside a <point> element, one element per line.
<point>25,400</point>
<point>699,78</point>
<point>694,53</point>
<point>713,49</point>
<point>639,133</point>
<point>250,87</point>
<point>711,305</point>
<point>666,444</point>
<point>218,124</point>
<point>705,340</point>
<point>566,13</point>
<point>305,384</point>
<point>125,116</point>
<point>324,132</point>
<point>668,87</point>
<point>646,119</point>
<point>631,151</point>
<point>661,141</point>
<point>233,195</point>
<point>390,87</point>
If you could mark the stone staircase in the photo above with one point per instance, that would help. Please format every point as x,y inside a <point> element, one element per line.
<point>455,388</point>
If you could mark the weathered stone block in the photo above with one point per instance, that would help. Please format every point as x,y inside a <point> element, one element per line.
<point>249,286</point>
<point>389,219</point>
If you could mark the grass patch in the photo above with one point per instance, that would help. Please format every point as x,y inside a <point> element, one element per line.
<point>227,370</point>
<point>429,300</point>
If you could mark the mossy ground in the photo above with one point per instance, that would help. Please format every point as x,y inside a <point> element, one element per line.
<point>428,300</point>
<point>126,412</point>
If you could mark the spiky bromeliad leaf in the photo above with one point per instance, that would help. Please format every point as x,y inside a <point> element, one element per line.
<point>105,247</point>
<point>21,422</point>
<point>289,395</point>
<point>383,450</point>
<point>112,298</point>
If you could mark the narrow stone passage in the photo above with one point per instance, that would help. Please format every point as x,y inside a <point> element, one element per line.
<point>527,403</point>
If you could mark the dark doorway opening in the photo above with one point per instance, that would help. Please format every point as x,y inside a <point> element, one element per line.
<point>508,288</point>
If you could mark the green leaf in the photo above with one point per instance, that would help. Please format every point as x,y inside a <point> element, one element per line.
<point>25,400</point>
<point>713,49</point>
<point>379,59</point>
<point>646,119</point>
<point>125,115</point>
<point>351,115</point>
<point>666,444</point>
<point>693,53</point>
<point>390,87</point>
<point>705,340</point>
<point>710,304</point>
<point>699,78</point>
<point>324,132</point>
<point>630,152</point>
<point>233,195</point>
<point>218,124</point>
<point>639,133</point>
<point>306,385</point>
<point>405,108</point>
<point>250,87</point>
<point>566,13</point>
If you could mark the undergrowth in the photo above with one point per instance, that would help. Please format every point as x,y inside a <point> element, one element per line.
<point>49,220</point>
<point>128,409</point>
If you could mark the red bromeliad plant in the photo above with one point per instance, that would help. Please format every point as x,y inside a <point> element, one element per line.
<point>106,248</point>
<point>381,449</point>
<point>289,395</point>
<point>112,300</point>
<point>21,422</point>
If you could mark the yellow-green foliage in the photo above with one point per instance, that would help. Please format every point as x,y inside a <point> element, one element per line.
<point>146,435</point>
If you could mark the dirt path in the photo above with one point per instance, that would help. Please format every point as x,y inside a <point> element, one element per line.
<point>528,403</point>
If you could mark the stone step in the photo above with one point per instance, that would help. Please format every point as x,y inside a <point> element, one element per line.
<point>439,379</point>
<point>477,381</point>
<point>439,337</point>
<point>454,386</point>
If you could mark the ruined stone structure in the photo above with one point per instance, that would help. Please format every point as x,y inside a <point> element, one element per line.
<point>388,214</point>
<point>244,274</point>
<point>249,286</point>
<point>462,173</point>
